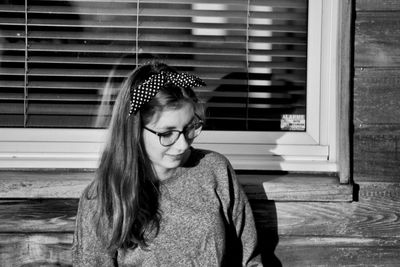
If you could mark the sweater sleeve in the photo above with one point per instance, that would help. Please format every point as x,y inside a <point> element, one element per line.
<point>88,249</point>
<point>243,222</point>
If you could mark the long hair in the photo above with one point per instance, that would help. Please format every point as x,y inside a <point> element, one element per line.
<point>126,187</point>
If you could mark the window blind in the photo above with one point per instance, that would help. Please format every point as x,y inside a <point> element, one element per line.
<point>57,57</point>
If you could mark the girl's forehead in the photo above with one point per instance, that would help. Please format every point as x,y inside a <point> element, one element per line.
<point>173,117</point>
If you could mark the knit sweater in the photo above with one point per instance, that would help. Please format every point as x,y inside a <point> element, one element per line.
<point>206,221</point>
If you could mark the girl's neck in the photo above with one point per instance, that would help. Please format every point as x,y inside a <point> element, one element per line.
<point>164,174</point>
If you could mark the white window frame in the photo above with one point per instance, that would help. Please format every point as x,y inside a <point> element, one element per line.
<point>312,150</point>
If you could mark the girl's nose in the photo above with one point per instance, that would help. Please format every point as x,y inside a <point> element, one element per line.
<point>181,144</point>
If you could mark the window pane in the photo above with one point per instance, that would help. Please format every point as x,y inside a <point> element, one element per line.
<point>57,57</point>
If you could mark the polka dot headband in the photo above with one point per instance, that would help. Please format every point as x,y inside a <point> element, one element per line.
<point>149,88</point>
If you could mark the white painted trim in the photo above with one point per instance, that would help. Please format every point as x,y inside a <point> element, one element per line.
<point>333,85</point>
<point>314,69</point>
<point>90,161</point>
<point>99,135</point>
<point>51,135</point>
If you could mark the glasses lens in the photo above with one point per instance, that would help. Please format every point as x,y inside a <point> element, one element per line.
<point>169,138</point>
<point>193,130</point>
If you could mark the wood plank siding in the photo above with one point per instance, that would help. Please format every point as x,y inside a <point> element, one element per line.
<point>319,225</point>
<point>377,91</point>
<point>292,233</point>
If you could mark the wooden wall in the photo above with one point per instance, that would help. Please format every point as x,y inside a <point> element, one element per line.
<point>377,91</point>
<point>38,232</point>
<point>365,232</point>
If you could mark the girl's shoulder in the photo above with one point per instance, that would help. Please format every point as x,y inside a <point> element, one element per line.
<point>88,197</point>
<point>214,164</point>
<point>90,190</point>
<point>211,157</point>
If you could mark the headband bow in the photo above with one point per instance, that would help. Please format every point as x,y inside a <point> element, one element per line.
<point>149,88</point>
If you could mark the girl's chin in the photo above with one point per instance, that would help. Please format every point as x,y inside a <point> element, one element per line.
<point>172,163</point>
<point>177,159</point>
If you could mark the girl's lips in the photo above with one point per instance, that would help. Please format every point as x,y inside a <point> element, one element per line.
<point>180,156</point>
<point>175,156</point>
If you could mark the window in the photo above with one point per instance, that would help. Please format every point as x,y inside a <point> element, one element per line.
<point>263,61</point>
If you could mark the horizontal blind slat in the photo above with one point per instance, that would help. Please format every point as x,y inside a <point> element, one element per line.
<point>44,22</point>
<point>61,108</point>
<point>60,121</point>
<point>106,10</point>
<point>272,3</point>
<point>74,72</point>
<point>240,50</point>
<point>14,107</point>
<point>81,60</point>
<point>70,85</point>
<point>11,96</point>
<point>16,33</point>
<point>12,59</point>
<point>12,71</point>
<point>154,12</point>
<point>4,21</point>
<point>163,37</point>
<point>122,49</point>
<point>15,8</point>
<point>10,84</point>
<point>131,24</point>
<point>63,98</point>
<point>20,46</point>
<point>84,35</point>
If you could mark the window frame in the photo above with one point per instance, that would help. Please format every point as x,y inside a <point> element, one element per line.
<point>316,149</point>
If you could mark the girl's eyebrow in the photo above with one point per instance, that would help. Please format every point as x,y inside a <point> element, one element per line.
<point>169,128</point>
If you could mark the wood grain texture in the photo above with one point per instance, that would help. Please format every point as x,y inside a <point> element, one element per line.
<point>376,39</point>
<point>285,187</point>
<point>43,184</point>
<point>363,233</point>
<point>377,5</point>
<point>37,216</point>
<point>367,232</point>
<point>376,97</point>
<point>376,155</point>
<point>35,249</point>
<point>333,251</point>
<point>54,250</point>
<point>377,217</point>
<point>344,61</point>
<point>296,187</point>
<point>377,213</point>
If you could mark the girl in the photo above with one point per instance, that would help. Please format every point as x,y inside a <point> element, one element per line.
<point>157,201</point>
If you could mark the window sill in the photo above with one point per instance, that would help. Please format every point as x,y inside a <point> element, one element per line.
<point>276,187</point>
<point>296,187</point>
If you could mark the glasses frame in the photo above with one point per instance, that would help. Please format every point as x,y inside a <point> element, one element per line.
<point>159,134</point>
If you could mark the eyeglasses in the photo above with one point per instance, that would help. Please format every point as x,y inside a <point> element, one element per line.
<point>190,132</point>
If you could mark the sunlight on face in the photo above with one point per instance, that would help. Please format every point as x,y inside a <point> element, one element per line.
<point>166,159</point>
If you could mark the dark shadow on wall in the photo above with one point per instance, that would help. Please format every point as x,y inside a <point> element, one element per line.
<point>266,218</point>
<point>268,236</point>
<point>265,214</point>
